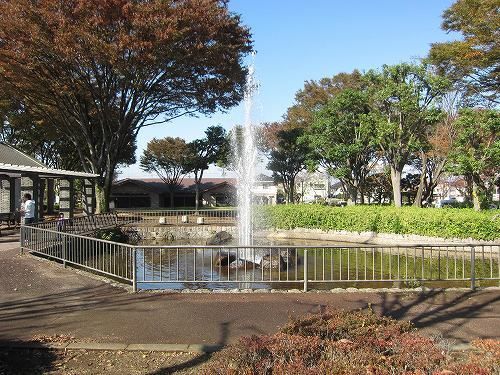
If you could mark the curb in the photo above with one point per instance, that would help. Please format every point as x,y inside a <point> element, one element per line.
<point>171,348</point>
<point>168,348</point>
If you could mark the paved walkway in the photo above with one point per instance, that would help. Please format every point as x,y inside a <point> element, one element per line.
<point>38,297</point>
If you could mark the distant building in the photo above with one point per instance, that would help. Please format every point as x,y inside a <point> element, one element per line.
<point>153,193</point>
<point>312,187</point>
<point>265,190</point>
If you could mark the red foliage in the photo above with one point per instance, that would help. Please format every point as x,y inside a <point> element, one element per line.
<point>346,343</point>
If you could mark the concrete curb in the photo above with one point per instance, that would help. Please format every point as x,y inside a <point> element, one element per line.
<point>172,348</point>
<point>169,348</point>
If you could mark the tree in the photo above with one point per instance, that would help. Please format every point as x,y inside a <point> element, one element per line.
<point>316,94</point>
<point>476,150</point>
<point>402,111</point>
<point>342,140</point>
<point>204,152</point>
<point>168,158</point>
<point>378,187</point>
<point>287,158</point>
<point>434,156</point>
<point>474,61</point>
<point>99,71</point>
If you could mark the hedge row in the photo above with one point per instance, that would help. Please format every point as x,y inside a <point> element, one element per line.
<point>434,222</point>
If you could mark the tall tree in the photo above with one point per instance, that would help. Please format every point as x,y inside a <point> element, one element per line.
<point>402,111</point>
<point>342,141</point>
<point>287,157</point>
<point>33,136</point>
<point>476,150</point>
<point>474,60</point>
<point>434,155</point>
<point>204,152</point>
<point>99,71</point>
<point>316,94</point>
<point>168,158</point>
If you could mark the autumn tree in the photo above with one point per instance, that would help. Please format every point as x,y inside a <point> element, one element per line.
<point>168,158</point>
<point>433,157</point>
<point>100,71</point>
<point>403,98</point>
<point>342,141</point>
<point>476,150</point>
<point>204,152</point>
<point>474,60</point>
<point>316,94</point>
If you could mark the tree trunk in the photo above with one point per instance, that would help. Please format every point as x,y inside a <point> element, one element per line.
<point>396,186</point>
<point>353,195</point>
<point>197,196</point>
<point>475,195</point>
<point>421,185</point>
<point>171,199</point>
<point>101,199</point>
<point>291,192</point>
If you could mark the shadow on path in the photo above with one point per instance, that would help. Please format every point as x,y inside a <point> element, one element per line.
<point>443,311</point>
<point>25,361</point>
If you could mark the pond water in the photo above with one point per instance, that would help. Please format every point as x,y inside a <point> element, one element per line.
<point>279,264</point>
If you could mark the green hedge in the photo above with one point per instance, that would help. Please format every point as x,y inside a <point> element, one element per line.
<point>435,222</point>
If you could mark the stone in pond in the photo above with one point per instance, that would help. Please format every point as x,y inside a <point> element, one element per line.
<point>242,264</point>
<point>288,255</point>
<point>273,262</point>
<point>224,260</point>
<point>219,238</point>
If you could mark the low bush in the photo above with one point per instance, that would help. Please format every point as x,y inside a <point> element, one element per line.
<point>348,343</point>
<point>112,234</point>
<point>446,223</point>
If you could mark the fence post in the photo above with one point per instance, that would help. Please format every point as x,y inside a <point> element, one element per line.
<point>473,268</point>
<point>64,249</point>
<point>23,235</point>
<point>134,270</point>
<point>305,270</point>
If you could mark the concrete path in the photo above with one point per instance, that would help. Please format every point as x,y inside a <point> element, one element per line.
<point>38,297</point>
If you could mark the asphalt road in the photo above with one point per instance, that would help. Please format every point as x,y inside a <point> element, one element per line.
<point>38,297</point>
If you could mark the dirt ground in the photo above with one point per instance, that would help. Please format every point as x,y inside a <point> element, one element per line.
<point>90,362</point>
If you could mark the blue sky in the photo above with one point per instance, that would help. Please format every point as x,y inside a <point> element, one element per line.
<point>299,40</point>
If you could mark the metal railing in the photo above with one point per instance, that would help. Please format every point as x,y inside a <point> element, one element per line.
<point>265,266</point>
<point>152,218</point>
<point>105,257</point>
<point>81,224</point>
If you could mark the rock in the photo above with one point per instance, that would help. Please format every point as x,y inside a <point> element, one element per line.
<point>274,262</point>
<point>241,264</point>
<point>288,255</point>
<point>219,238</point>
<point>224,260</point>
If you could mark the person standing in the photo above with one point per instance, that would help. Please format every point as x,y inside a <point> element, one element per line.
<point>28,209</point>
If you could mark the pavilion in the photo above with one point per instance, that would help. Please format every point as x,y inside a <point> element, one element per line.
<point>21,174</point>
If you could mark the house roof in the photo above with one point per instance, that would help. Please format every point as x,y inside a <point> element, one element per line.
<point>264,178</point>
<point>11,155</point>
<point>15,162</point>
<point>187,185</point>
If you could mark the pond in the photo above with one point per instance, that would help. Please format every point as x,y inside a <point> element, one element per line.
<point>280,264</point>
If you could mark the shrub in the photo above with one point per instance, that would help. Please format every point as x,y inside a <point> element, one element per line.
<point>346,343</point>
<point>112,234</point>
<point>434,222</point>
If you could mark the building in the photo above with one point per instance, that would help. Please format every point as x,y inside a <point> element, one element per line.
<point>265,190</point>
<point>154,193</point>
<point>21,174</point>
<point>312,187</point>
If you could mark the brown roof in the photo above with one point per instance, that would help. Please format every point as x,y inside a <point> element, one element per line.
<point>187,185</point>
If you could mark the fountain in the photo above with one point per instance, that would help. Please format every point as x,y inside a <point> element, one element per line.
<point>245,159</point>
